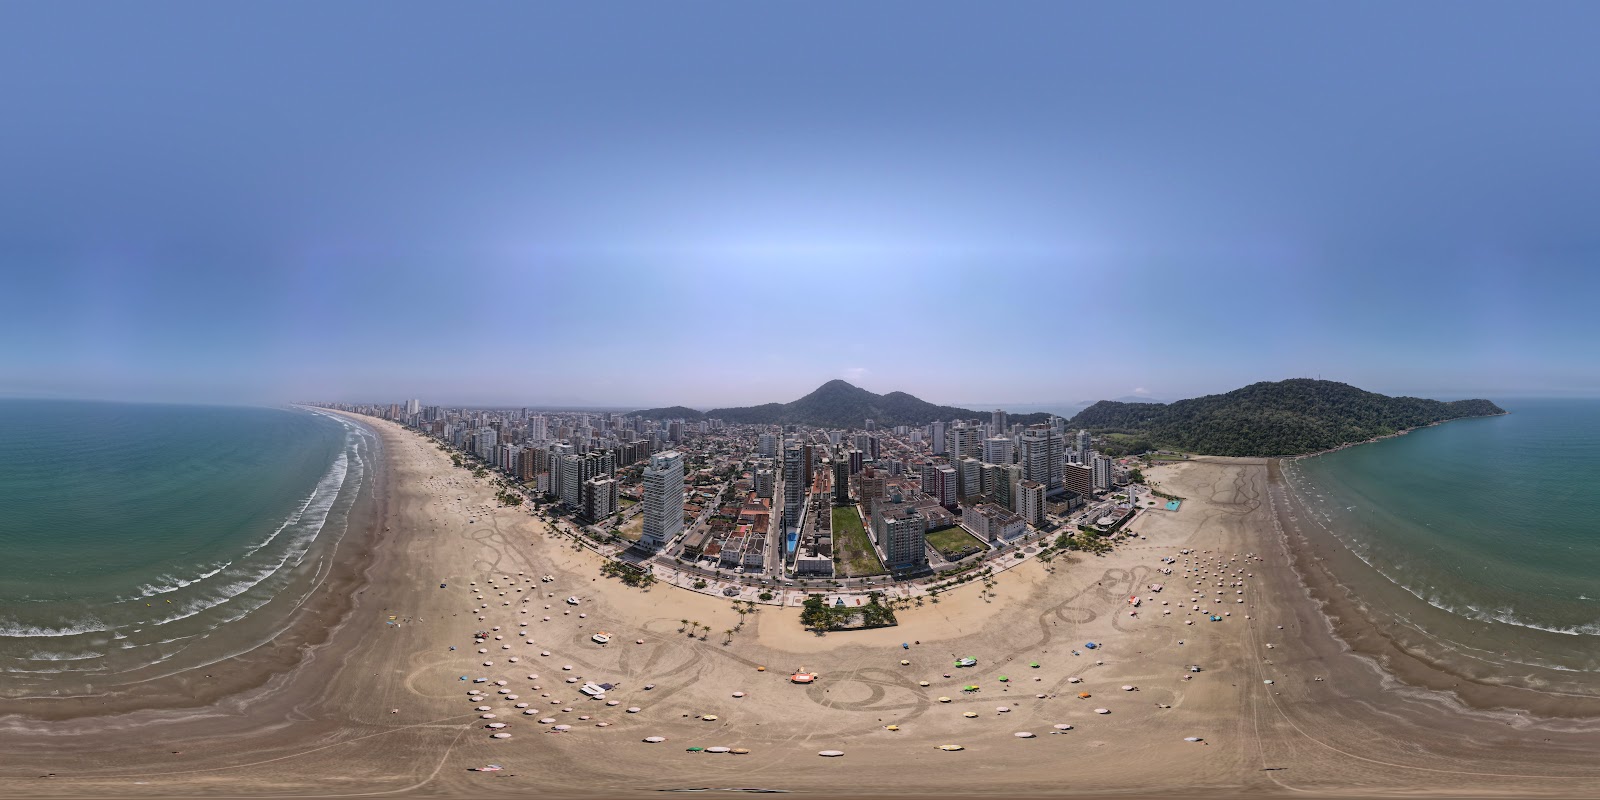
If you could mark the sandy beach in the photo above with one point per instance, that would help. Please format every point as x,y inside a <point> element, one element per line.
<point>370,694</point>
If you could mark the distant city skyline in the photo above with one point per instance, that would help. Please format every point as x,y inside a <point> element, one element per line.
<point>642,205</point>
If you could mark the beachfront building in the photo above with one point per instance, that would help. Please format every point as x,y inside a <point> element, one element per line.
<point>795,472</point>
<point>900,532</point>
<point>1042,450</point>
<point>970,480</point>
<point>992,523</point>
<point>663,499</point>
<point>1000,483</point>
<point>1102,472</point>
<point>1030,502</point>
<point>599,498</point>
<point>1083,446</point>
<point>1078,479</point>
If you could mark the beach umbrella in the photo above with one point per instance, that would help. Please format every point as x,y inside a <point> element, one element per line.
<point>1040,696</point>
<point>1084,695</point>
<point>649,686</point>
<point>709,718</point>
<point>483,708</point>
<point>547,721</point>
<point>922,683</point>
<point>718,749</point>
<point>486,716</point>
<point>1003,709</point>
<point>566,666</point>
<point>633,709</point>
<point>969,714</point>
<point>530,712</point>
<point>904,663</point>
<point>1061,726</point>
<point>1102,711</point>
<point>655,739</point>
<point>891,727</point>
<point>1074,680</point>
<point>544,652</point>
<point>944,699</point>
<point>602,724</point>
<point>951,748</point>
<point>584,717</point>
<point>522,705</point>
<point>488,663</point>
<point>1023,735</point>
<point>562,728</point>
<point>738,694</point>
<point>830,753</point>
<point>500,736</point>
<point>1191,738</point>
<point>1127,688</point>
<point>495,725</point>
<point>613,702</point>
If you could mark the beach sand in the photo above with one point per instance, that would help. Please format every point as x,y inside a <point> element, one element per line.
<point>380,708</point>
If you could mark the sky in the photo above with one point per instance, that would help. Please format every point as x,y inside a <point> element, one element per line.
<point>710,204</point>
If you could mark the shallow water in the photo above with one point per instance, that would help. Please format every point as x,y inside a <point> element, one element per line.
<point>141,539</point>
<point>1482,534</point>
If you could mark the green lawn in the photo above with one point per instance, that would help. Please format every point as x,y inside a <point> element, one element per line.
<point>954,542</point>
<point>853,555</point>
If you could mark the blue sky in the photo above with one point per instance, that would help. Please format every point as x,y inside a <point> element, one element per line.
<point>728,203</point>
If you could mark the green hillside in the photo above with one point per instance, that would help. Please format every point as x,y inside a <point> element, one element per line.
<point>1274,418</point>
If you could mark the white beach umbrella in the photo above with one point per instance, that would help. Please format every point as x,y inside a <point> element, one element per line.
<point>1061,726</point>
<point>1023,735</point>
<point>1102,711</point>
<point>830,753</point>
<point>655,739</point>
<point>634,709</point>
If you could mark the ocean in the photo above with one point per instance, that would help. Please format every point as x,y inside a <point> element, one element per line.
<point>140,540</point>
<point>1479,537</point>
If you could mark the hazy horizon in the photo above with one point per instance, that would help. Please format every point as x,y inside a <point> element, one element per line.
<point>640,205</point>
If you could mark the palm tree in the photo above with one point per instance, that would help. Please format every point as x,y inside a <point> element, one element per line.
<point>728,636</point>
<point>682,624</point>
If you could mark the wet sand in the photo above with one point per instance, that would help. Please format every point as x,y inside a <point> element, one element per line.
<point>382,709</point>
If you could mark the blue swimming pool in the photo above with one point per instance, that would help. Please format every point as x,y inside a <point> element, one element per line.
<point>1172,505</point>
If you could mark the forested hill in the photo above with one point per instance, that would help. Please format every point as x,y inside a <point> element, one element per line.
<point>1274,419</point>
<point>837,404</point>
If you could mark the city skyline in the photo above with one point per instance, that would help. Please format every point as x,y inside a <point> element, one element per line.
<point>632,207</point>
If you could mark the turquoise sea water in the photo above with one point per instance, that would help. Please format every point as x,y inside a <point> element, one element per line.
<point>142,538</point>
<point>1495,522</point>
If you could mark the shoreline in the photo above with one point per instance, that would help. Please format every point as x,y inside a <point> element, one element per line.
<point>1375,439</point>
<point>312,627</point>
<point>1373,637</point>
<point>383,710</point>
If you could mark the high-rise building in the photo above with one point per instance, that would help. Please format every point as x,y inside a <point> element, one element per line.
<point>1083,447</point>
<point>854,461</point>
<point>762,477</point>
<point>1078,479</point>
<point>901,532</point>
<point>599,498</point>
<point>412,407</point>
<point>997,421</point>
<point>767,445</point>
<point>868,444</point>
<point>997,450</point>
<point>869,486</point>
<point>484,442</point>
<point>663,499</point>
<point>841,481</point>
<point>938,436</point>
<point>795,485</point>
<point>1102,472</point>
<point>970,482</point>
<point>1041,456</point>
<point>946,483</point>
<point>1029,502</point>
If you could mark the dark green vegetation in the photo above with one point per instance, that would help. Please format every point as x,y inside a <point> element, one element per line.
<point>837,404</point>
<point>628,574</point>
<point>954,543</point>
<point>1084,541</point>
<point>817,615</point>
<point>853,555</point>
<point>1274,419</point>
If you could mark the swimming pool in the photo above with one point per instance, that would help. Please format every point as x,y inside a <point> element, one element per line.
<point>1172,505</point>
